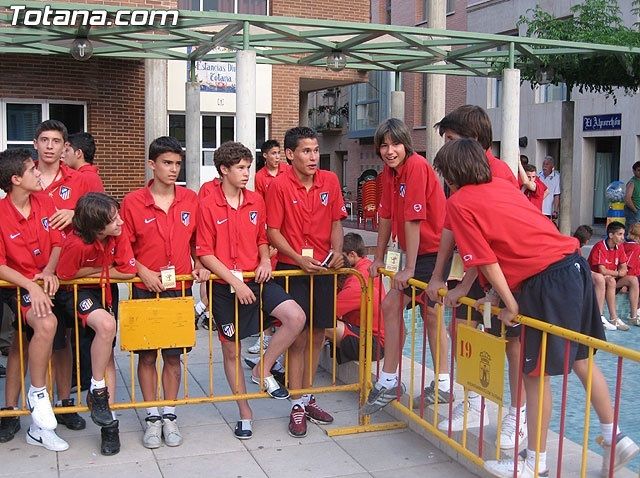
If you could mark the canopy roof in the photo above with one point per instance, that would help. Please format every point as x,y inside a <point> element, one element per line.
<point>215,36</point>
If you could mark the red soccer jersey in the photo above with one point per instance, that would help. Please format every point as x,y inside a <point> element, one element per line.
<point>161,239</point>
<point>66,189</point>
<point>305,218</point>
<point>500,169</point>
<point>348,303</point>
<point>91,178</point>
<point>207,188</point>
<point>26,243</point>
<point>632,250</point>
<point>493,222</point>
<point>413,193</point>
<point>76,254</point>
<point>232,235</point>
<point>536,197</point>
<point>609,257</point>
<point>263,179</point>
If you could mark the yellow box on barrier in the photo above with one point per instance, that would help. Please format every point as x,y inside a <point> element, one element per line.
<point>148,324</point>
<point>480,359</point>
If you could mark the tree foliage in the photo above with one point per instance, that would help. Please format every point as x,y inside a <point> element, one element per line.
<point>594,21</point>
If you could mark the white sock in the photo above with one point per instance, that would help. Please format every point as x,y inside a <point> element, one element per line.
<point>113,415</point>
<point>444,382</point>
<point>387,379</point>
<point>514,410</point>
<point>200,307</point>
<point>531,460</point>
<point>97,384</point>
<point>171,410</point>
<point>607,430</point>
<point>33,390</point>
<point>153,412</point>
<point>297,401</point>
<point>305,399</point>
<point>475,400</point>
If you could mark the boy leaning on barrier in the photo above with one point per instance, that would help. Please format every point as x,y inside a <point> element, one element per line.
<point>470,121</point>
<point>231,239</point>
<point>306,210</point>
<point>412,210</point>
<point>160,220</point>
<point>499,231</point>
<point>97,247</point>
<point>29,250</point>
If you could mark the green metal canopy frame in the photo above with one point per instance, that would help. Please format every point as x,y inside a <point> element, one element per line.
<point>214,36</point>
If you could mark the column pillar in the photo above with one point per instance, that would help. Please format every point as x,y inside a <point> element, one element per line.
<point>436,84</point>
<point>155,104</point>
<point>566,166</point>
<point>246,103</point>
<point>193,130</point>
<point>509,145</point>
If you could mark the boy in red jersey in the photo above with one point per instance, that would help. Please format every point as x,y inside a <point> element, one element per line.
<point>304,223</point>
<point>97,247</point>
<point>608,257</point>
<point>632,250</point>
<point>347,332</point>
<point>79,153</point>
<point>29,250</point>
<point>470,121</point>
<point>532,185</point>
<point>498,231</point>
<point>160,219</point>
<point>64,186</point>
<point>273,166</point>
<point>231,239</point>
<point>412,209</point>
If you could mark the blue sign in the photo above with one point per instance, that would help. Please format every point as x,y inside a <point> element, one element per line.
<point>601,122</point>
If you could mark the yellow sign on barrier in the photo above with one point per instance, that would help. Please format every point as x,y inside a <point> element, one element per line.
<point>149,324</point>
<point>480,359</point>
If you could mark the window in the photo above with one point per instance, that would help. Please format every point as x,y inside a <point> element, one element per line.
<point>20,119</point>
<point>368,102</point>
<point>215,131</point>
<point>549,93</point>
<point>251,7</point>
<point>450,5</point>
<point>494,92</point>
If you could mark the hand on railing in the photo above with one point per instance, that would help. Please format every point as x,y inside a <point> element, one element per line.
<point>433,290</point>
<point>40,301</point>
<point>375,265</point>
<point>201,274</point>
<point>50,282</point>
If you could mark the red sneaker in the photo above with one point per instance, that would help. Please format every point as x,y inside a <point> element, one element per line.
<point>297,422</point>
<point>317,414</point>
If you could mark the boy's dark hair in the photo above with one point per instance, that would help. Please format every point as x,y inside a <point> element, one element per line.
<point>468,121</point>
<point>397,130</point>
<point>353,243</point>
<point>165,144</point>
<point>636,165</point>
<point>52,125</point>
<point>85,143</point>
<point>93,212</point>
<point>529,168</point>
<point>614,226</point>
<point>293,136</point>
<point>583,234</point>
<point>463,162</point>
<point>12,164</point>
<point>524,159</point>
<point>268,144</point>
<point>230,153</point>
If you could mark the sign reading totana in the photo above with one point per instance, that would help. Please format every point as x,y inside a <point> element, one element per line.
<point>480,359</point>
<point>602,122</point>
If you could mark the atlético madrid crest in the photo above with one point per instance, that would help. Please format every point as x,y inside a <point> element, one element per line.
<point>253,217</point>
<point>324,198</point>
<point>185,216</point>
<point>65,192</point>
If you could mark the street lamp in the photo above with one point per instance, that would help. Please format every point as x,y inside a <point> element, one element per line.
<point>336,61</point>
<point>81,49</point>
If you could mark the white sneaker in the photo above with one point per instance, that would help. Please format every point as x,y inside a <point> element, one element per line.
<point>635,321</point>
<point>170,430</point>
<point>255,348</point>
<point>626,449</point>
<point>508,430</point>
<point>46,438</point>
<point>619,323</point>
<point>153,434</point>
<point>606,324</point>
<point>504,469</point>
<point>42,415</point>
<point>457,418</point>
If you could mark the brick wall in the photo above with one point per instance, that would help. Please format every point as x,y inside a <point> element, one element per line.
<point>113,91</point>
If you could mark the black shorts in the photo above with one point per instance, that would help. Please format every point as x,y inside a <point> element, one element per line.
<point>476,292</point>
<point>224,309</point>
<point>425,263</point>
<point>138,293</point>
<point>324,292</point>
<point>561,295</point>
<point>349,349</point>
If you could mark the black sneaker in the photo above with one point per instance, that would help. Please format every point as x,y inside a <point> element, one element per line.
<point>98,403</point>
<point>110,442</point>
<point>9,426</point>
<point>72,421</point>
